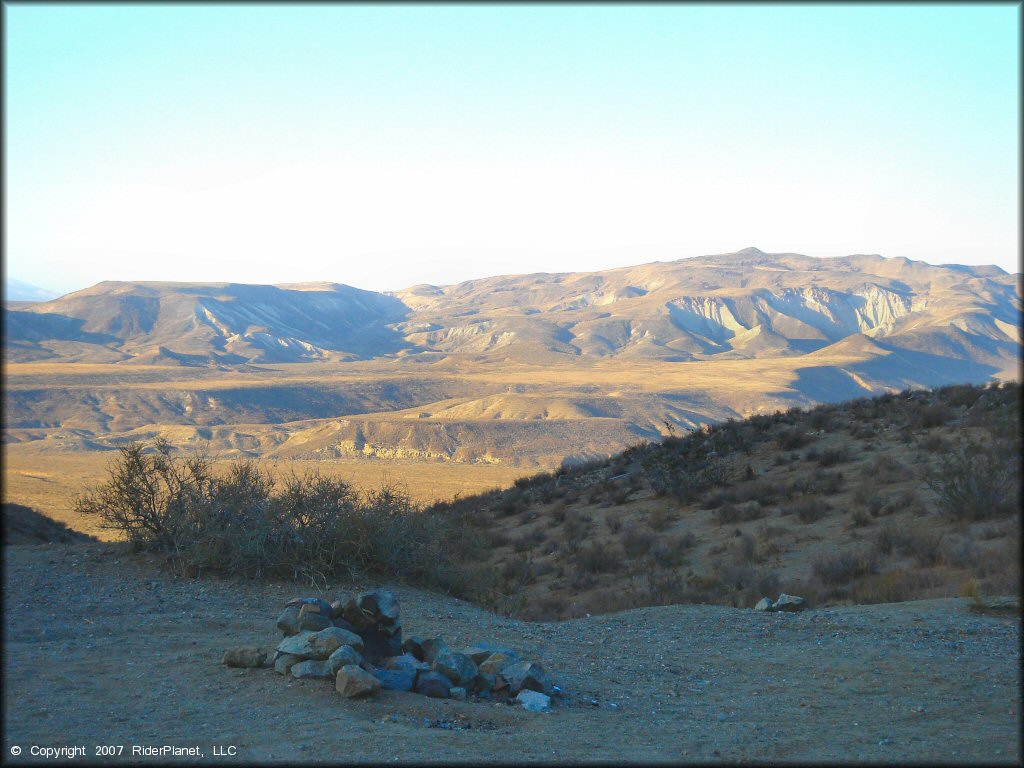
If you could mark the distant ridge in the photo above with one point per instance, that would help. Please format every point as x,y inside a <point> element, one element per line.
<point>747,304</point>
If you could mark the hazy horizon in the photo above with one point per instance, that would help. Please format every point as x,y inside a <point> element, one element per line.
<point>388,146</point>
<point>24,285</point>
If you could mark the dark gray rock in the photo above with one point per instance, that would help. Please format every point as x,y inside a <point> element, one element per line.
<point>432,647</point>
<point>459,694</point>
<point>245,656</point>
<point>526,675</point>
<point>288,621</point>
<point>789,603</point>
<point>414,647</point>
<point>313,621</point>
<point>342,657</point>
<point>457,667</point>
<point>381,605</point>
<point>396,679</point>
<point>764,604</point>
<point>379,646</point>
<point>483,682</point>
<point>354,682</point>
<point>319,645</point>
<point>406,661</point>
<point>315,604</point>
<point>479,652</point>
<point>494,663</point>
<point>533,701</point>
<point>284,662</point>
<point>433,684</point>
<point>340,623</point>
<point>310,668</point>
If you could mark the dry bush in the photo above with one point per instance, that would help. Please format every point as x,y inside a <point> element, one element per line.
<point>598,557</point>
<point>883,470</point>
<point>732,513</point>
<point>829,457</point>
<point>844,568</point>
<point>808,510</point>
<point>661,518</point>
<point>313,528</point>
<point>792,439</point>
<point>636,541</point>
<point>978,481</point>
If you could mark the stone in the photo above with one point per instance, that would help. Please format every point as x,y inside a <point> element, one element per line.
<point>534,702</point>
<point>380,645</point>
<point>316,605</point>
<point>381,605</point>
<point>288,621</point>
<point>526,675</point>
<point>457,667</point>
<point>483,682</point>
<point>432,647</point>
<point>354,682</point>
<point>342,624</point>
<point>407,662</point>
<point>313,620</point>
<point>494,663</point>
<point>318,670</point>
<point>245,656</point>
<point>481,651</point>
<point>414,647</point>
<point>459,694</point>
<point>395,679</point>
<point>433,684</point>
<point>284,662</point>
<point>319,645</point>
<point>393,629</point>
<point>342,657</point>
<point>764,604</point>
<point>789,603</point>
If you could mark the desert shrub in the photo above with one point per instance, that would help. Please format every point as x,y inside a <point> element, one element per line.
<point>829,457</point>
<point>977,481</point>
<point>660,518</point>
<point>923,546</point>
<point>760,491</point>
<point>844,567</point>
<point>828,483</point>
<point>614,522</point>
<point>728,514</point>
<point>598,557</point>
<point>932,416</point>
<point>718,497</point>
<point>934,443</point>
<point>808,510</point>
<point>670,551</point>
<point>860,519</point>
<point>241,523</point>
<point>883,470</point>
<point>792,439</point>
<point>636,541</point>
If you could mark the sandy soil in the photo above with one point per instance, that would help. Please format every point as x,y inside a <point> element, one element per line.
<point>104,648</point>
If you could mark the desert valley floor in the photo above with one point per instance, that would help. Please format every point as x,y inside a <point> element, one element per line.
<point>103,647</point>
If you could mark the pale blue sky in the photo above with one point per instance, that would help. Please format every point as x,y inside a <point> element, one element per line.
<point>384,146</point>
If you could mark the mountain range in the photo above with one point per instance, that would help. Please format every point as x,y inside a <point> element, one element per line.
<point>743,305</point>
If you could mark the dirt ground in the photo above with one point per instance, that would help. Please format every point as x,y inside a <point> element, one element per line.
<point>105,648</point>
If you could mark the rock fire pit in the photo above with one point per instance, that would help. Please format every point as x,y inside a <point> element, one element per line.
<point>358,644</point>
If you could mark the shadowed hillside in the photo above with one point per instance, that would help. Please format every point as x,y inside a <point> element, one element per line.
<point>903,496</point>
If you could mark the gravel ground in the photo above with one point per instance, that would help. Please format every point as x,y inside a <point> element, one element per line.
<point>104,648</point>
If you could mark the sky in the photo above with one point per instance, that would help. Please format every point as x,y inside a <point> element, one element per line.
<point>384,146</point>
